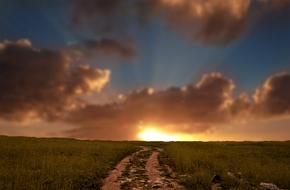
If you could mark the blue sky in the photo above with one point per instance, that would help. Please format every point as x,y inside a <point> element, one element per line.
<point>165,58</point>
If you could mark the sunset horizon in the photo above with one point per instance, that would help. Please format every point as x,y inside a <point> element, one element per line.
<point>146,70</point>
<point>144,94</point>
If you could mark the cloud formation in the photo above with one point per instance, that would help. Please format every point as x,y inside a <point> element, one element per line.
<point>195,108</point>
<point>46,85</point>
<point>208,21</point>
<point>205,21</point>
<point>273,98</point>
<point>40,83</point>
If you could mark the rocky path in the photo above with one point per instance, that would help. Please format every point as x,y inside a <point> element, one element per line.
<point>141,171</point>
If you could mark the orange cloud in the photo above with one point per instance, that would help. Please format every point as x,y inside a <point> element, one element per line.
<point>45,85</point>
<point>194,109</point>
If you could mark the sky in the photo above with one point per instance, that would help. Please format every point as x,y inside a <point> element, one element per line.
<point>206,70</point>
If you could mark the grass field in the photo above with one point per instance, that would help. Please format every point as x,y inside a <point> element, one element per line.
<point>240,165</point>
<point>67,164</point>
<point>56,164</point>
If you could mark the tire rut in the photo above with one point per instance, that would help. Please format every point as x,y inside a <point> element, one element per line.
<point>157,177</point>
<point>140,171</point>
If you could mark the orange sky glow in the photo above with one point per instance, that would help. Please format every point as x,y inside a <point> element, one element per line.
<point>149,70</point>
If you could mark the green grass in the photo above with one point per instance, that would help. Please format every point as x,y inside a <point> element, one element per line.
<point>198,162</point>
<point>67,164</point>
<point>56,164</point>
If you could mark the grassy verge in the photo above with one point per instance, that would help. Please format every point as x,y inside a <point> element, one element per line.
<point>55,164</point>
<point>240,165</point>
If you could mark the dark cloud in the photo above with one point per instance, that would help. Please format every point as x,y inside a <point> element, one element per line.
<point>107,22</point>
<point>217,21</point>
<point>102,122</point>
<point>106,46</point>
<point>206,21</point>
<point>273,98</point>
<point>40,83</point>
<point>274,5</point>
<point>209,21</point>
<point>92,8</point>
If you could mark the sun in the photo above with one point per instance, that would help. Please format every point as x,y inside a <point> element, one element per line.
<point>149,133</point>
<point>156,135</point>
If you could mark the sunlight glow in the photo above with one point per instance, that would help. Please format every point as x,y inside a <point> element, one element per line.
<point>155,135</point>
<point>152,134</point>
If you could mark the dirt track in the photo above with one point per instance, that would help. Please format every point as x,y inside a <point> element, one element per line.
<point>141,171</point>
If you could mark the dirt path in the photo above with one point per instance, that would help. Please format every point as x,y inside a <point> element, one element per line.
<point>111,182</point>
<point>157,177</point>
<point>141,171</point>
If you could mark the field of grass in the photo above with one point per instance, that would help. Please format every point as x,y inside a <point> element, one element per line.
<point>240,165</point>
<point>55,164</point>
<point>67,164</point>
